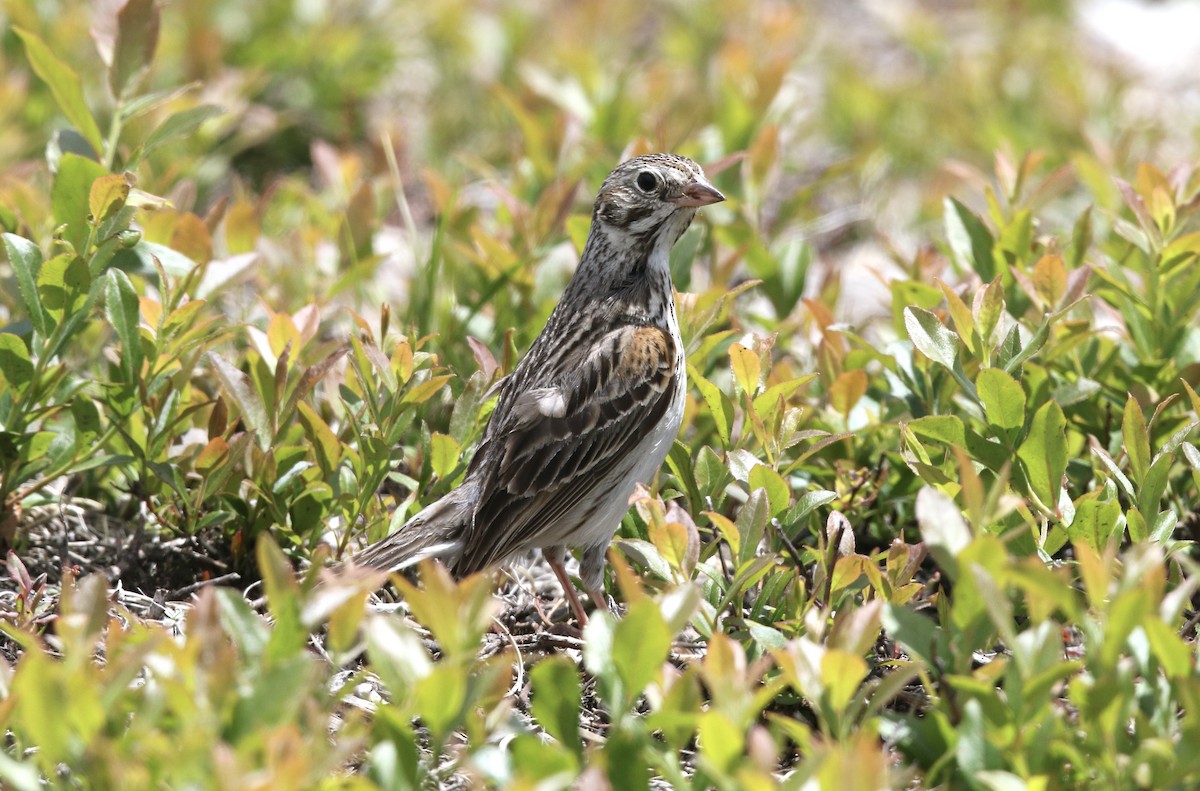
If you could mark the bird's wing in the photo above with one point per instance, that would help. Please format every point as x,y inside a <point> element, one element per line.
<point>558,442</point>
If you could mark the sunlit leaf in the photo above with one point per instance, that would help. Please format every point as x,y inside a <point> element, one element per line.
<point>443,456</point>
<point>1044,452</point>
<point>746,368</point>
<point>931,337</point>
<point>556,700</point>
<point>1002,397</point>
<point>65,86</point>
<point>70,197</point>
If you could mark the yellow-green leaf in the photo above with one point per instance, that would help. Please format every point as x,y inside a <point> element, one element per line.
<point>324,442</point>
<point>1044,453</point>
<point>964,322</point>
<point>841,673</point>
<point>64,85</point>
<point>556,699</point>
<point>1002,397</point>
<point>641,642</point>
<point>769,398</point>
<point>1137,439</point>
<point>107,195</point>
<point>63,285</point>
<point>422,392</point>
<point>443,454</point>
<point>719,405</point>
<point>746,368</point>
<point>778,494</point>
<point>943,428</point>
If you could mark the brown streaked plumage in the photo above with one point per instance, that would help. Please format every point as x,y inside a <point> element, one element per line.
<point>590,411</point>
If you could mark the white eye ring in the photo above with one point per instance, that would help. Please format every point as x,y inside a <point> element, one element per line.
<point>647,181</point>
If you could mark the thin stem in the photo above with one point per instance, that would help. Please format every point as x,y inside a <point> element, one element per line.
<point>114,135</point>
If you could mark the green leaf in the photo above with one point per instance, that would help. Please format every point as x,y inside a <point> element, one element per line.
<point>1154,484</point>
<point>1137,439</point>
<point>177,125</point>
<point>1002,397</point>
<point>969,239</point>
<point>1044,453</point>
<point>1081,238</point>
<point>1096,521</point>
<point>1136,524</point>
<point>943,428</point>
<point>556,700</point>
<point>87,420</point>
<point>16,369</point>
<point>26,261</point>
<point>931,337</point>
<point>719,405</point>
<point>1163,527</point>
<point>443,454</point>
<point>752,522</point>
<point>1173,654</point>
<point>324,442</point>
<point>1023,353</point>
<point>641,642</point>
<point>778,494</point>
<point>769,398</point>
<point>70,197</point>
<point>988,307</point>
<point>918,634</point>
<point>806,504</point>
<point>65,86</point>
<point>241,391</point>
<point>63,286</point>
<point>719,740</point>
<point>137,38</point>
<point>121,309</point>
<point>841,674</point>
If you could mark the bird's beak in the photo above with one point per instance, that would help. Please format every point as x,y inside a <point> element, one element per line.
<point>698,192</point>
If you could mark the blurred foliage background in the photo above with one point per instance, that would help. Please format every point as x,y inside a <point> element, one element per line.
<point>932,516</point>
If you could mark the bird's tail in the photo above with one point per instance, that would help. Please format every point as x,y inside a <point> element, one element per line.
<point>435,532</point>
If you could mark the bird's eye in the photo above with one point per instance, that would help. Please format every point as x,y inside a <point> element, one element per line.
<point>647,181</point>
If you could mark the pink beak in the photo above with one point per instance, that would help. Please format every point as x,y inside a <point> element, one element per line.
<point>698,192</point>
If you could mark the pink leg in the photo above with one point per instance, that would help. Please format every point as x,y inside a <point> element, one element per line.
<point>555,559</point>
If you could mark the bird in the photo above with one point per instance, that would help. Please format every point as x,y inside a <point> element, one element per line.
<point>589,412</point>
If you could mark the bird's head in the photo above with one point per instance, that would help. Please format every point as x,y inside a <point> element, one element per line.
<point>652,197</point>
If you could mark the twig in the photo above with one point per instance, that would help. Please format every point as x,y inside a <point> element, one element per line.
<point>188,590</point>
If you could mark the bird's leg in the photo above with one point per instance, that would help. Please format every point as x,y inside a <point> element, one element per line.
<point>555,556</point>
<point>591,573</point>
<point>600,599</point>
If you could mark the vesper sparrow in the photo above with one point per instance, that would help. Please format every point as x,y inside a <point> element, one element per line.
<point>590,411</point>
